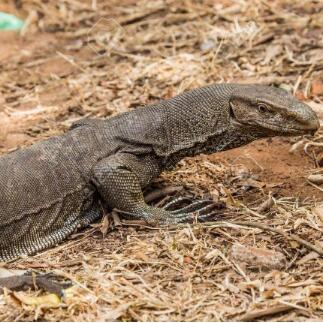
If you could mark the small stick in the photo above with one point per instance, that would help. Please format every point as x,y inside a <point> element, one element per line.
<point>251,316</point>
<point>314,185</point>
<point>254,213</point>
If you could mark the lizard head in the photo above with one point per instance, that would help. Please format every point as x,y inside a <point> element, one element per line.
<point>272,110</point>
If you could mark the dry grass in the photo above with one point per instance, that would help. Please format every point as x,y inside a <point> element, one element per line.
<point>156,50</point>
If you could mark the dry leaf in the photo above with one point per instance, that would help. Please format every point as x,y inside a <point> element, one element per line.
<point>268,294</point>
<point>104,227</point>
<point>271,53</point>
<point>310,256</point>
<point>47,301</point>
<point>294,244</point>
<point>232,288</point>
<point>141,256</point>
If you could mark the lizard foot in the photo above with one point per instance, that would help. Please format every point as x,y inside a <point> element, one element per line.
<point>197,210</point>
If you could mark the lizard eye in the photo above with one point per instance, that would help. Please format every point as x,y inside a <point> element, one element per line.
<point>262,108</point>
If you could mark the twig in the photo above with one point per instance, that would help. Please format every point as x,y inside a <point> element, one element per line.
<point>314,185</point>
<point>254,213</point>
<point>71,61</point>
<point>251,316</point>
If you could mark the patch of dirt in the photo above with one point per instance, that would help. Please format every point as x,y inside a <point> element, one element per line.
<point>275,165</point>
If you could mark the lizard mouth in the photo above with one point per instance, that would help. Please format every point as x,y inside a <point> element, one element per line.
<point>289,130</point>
<point>273,127</point>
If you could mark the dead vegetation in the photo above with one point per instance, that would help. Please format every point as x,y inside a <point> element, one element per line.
<point>99,58</point>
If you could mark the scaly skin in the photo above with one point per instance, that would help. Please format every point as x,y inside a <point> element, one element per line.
<point>54,187</point>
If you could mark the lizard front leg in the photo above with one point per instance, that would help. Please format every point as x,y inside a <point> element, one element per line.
<point>120,179</point>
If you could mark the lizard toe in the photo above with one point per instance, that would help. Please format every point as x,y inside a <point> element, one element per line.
<point>176,202</point>
<point>194,207</point>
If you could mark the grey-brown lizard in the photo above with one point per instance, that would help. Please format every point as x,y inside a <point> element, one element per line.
<point>55,186</point>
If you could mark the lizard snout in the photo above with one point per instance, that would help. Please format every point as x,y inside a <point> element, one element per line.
<point>308,119</point>
<point>312,125</point>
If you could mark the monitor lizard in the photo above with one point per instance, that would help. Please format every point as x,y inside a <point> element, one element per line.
<point>55,186</point>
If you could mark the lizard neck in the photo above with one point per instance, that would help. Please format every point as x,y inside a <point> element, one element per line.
<point>190,119</point>
<point>234,136</point>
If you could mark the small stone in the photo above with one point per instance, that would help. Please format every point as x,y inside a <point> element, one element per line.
<point>260,257</point>
<point>316,179</point>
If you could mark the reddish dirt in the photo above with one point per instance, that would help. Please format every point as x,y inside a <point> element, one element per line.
<point>14,131</point>
<point>283,171</point>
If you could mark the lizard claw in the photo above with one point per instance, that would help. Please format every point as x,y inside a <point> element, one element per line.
<point>201,215</point>
<point>200,210</point>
